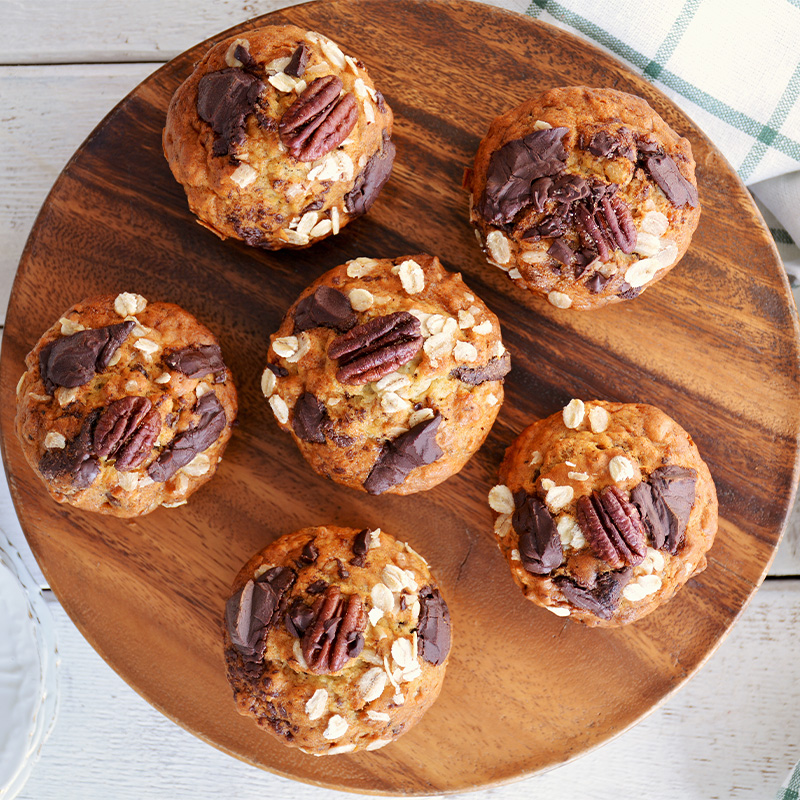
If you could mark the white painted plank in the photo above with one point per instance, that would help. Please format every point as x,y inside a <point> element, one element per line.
<point>57,31</point>
<point>731,733</point>
<point>47,112</point>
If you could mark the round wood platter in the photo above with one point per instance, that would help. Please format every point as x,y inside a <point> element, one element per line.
<point>714,344</point>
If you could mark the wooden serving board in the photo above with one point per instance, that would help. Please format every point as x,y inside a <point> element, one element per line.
<point>714,345</point>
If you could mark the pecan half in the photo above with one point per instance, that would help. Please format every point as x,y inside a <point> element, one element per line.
<point>336,633</point>
<point>619,222</point>
<point>319,120</point>
<point>127,431</point>
<point>376,348</point>
<point>612,527</point>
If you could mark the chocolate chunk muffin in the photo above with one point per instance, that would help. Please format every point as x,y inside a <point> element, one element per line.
<point>279,138</point>
<point>125,405</point>
<point>583,196</point>
<point>336,639</point>
<point>388,373</point>
<point>604,511</point>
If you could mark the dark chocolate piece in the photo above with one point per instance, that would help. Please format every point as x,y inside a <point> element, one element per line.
<point>433,628</point>
<point>539,542</point>
<point>74,360</point>
<point>412,449</point>
<point>665,502</point>
<point>326,308</point>
<point>197,361</point>
<point>495,370</point>
<point>371,179</point>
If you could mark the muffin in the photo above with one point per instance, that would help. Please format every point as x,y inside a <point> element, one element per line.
<point>583,196</point>
<point>125,405</point>
<point>279,138</point>
<point>388,373</point>
<point>604,511</point>
<point>336,639</point>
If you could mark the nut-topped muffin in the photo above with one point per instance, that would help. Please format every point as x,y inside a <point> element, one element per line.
<point>279,138</point>
<point>336,639</point>
<point>583,196</point>
<point>125,405</point>
<point>604,511</point>
<point>388,373</point>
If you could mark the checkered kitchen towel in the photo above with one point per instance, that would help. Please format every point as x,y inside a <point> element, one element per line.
<point>733,66</point>
<point>791,786</point>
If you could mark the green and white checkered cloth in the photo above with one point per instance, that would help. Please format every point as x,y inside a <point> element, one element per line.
<point>733,66</point>
<point>790,790</point>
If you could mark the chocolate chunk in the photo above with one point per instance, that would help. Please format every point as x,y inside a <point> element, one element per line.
<point>602,598</point>
<point>250,611</point>
<point>224,101</point>
<point>495,370</point>
<point>664,171</point>
<point>414,448</point>
<point>243,54</point>
<point>539,543</point>
<point>433,628</point>
<point>607,146</point>
<point>318,587</point>
<point>360,548</point>
<point>277,370</point>
<point>665,502</point>
<point>380,101</point>
<point>597,283</point>
<point>568,189</point>
<point>74,360</point>
<point>371,179</point>
<point>127,430</point>
<point>319,120</point>
<point>309,418</point>
<point>326,308</point>
<point>628,292</point>
<point>76,460</point>
<point>197,361</point>
<point>299,616</point>
<point>309,553</point>
<point>297,64</point>
<point>376,348</point>
<point>199,436</point>
<point>562,252</point>
<point>540,192</point>
<point>514,167</point>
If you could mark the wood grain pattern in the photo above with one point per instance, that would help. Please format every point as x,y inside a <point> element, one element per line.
<point>525,690</point>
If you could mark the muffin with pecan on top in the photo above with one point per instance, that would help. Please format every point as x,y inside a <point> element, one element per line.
<point>336,640</point>
<point>388,373</point>
<point>279,138</point>
<point>125,405</point>
<point>583,196</point>
<point>604,511</point>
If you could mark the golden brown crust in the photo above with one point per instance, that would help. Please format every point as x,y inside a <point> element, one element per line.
<point>548,457</point>
<point>367,416</point>
<point>275,692</point>
<point>269,210</point>
<point>584,112</point>
<point>160,329</point>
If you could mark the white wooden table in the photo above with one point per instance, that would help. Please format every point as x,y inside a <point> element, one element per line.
<point>733,732</point>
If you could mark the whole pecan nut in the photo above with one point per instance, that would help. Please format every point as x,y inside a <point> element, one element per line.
<point>612,527</point>
<point>127,431</point>
<point>319,120</point>
<point>619,222</point>
<point>336,633</point>
<point>376,348</point>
